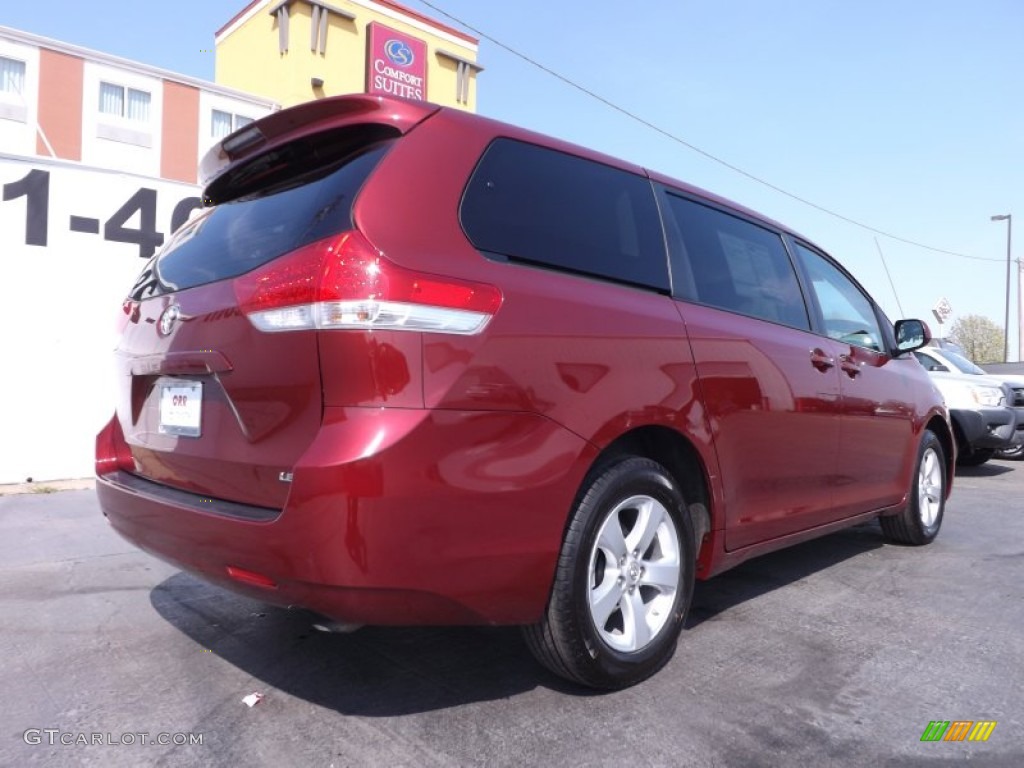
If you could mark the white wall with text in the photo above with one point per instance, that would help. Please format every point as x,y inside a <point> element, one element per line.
<point>73,239</point>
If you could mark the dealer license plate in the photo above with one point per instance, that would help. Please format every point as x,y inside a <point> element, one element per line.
<point>181,408</point>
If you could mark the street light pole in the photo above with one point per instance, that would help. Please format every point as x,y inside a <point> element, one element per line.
<point>1020,315</point>
<point>1008,218</point>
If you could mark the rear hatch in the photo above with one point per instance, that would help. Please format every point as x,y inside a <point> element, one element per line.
<point>209,402</point>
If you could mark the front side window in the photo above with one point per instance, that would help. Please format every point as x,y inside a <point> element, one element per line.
<point>736,265</point>
<point>849,315</point>
<point>119,101</point>
<point>539,206</point>
<point>12,76</point>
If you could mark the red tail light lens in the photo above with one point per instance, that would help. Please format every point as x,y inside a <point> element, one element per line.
<point>251,577</point>
<point>344,283</point>
<point>129,313</point>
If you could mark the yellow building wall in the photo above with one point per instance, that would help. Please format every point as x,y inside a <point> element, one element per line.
<point>249,57</point>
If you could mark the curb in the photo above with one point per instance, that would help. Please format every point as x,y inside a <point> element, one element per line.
<point>47,486</point>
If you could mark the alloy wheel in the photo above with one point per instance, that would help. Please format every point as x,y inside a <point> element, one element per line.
<point>634,573</point>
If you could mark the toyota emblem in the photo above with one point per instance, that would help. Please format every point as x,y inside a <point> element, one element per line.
<point>167,320</point>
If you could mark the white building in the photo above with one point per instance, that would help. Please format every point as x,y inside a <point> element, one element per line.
<point>98,159</point>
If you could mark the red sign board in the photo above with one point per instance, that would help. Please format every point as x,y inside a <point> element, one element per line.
<point>396,63</point>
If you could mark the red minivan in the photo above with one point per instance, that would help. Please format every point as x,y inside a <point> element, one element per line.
<point>413,366</point>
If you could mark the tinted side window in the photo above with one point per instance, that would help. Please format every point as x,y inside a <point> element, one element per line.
<point>536,205</point>
<point>849,315</point>
<point>733,264</point>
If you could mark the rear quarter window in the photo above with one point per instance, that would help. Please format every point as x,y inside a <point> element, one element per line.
<point>540,206</point>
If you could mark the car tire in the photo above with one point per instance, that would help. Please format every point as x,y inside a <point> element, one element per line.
<point>920,521</point>
<point>1016,452</point>
<point>623,581</point>
<point>975,458</point>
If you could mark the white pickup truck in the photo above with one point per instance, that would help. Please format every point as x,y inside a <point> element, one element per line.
<point>987,410</point>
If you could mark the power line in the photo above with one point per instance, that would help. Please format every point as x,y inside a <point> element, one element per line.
<point>679,140</point>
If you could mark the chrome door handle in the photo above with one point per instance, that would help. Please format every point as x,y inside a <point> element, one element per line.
<point>821,361</point>
<point>850,368</point>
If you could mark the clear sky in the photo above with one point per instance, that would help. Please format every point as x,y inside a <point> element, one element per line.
<point>907,115</point>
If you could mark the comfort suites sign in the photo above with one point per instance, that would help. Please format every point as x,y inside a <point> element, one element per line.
<point>397,63</point>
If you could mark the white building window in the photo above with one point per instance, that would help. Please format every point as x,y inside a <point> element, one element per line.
<point>224,123</point>
<point>124,102</point>
<point>12,76</point>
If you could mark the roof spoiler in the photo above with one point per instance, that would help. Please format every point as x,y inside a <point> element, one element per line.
<point>309,118</point>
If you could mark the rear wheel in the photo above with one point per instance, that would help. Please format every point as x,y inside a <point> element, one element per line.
<point>920,521</point>
<point>623,582</point>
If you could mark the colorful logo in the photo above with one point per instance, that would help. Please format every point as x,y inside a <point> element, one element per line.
<point>958,730</point>
<point>399,53</point>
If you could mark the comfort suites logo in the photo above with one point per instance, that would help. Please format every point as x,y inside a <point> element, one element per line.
<point>399,53</point>
<point>396,63</point>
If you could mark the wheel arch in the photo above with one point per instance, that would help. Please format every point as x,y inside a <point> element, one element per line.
<point>959,437</point>
<point>680,457</point>
<point>950,442</point>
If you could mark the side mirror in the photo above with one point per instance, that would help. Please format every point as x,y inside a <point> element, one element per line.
<point>911,335</point>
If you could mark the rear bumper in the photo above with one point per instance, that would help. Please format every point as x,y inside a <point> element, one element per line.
<point>987,427</point>
<point>394,516</point>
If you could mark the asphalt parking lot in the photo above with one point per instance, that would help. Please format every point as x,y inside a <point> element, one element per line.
<point>836,652</point>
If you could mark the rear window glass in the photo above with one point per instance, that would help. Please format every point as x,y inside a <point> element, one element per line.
<point>300,201</point>
<point>536,205</point>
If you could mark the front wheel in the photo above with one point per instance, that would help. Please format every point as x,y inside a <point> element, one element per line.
<point>1016,452</point>
<point>920,521</point>
<point>623,582</point>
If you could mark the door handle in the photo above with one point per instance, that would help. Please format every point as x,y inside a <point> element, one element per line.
<point>850,368</point>
<point>821,361</point>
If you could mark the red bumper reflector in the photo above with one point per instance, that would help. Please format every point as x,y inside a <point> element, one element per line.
<point>250,577</point>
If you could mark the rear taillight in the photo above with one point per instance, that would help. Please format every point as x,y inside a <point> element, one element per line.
<point>343,282</point>
<point>129,313</point>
